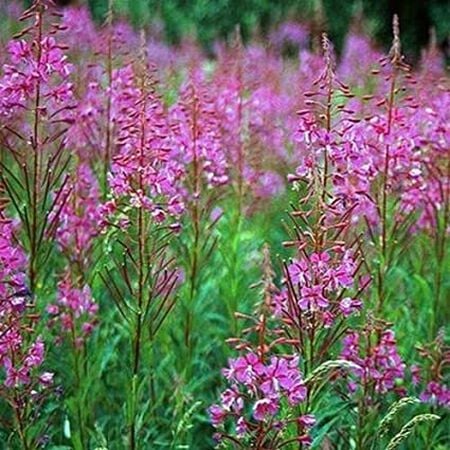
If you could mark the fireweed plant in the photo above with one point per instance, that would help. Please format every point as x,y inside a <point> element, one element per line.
<point>141,218</point>
<point>393,147</point>
<point>245,109</point>
<point>196,135</point>
<point>261,382</point>
<point>139,183</point>
<point>232,109</point>
<point>73,315</point>
<point>25,385</point>
<point>37,100</point>
<point>433,171</point>
<point>314,303</point>
<point>94,136</point>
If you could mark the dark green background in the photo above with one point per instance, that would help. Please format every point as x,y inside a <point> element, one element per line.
<point>209,19</point>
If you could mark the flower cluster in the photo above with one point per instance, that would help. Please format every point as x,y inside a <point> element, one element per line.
<point>358,57</point>
<point>257,390</point>
<point>79,217</point>
<point>264,385</point>
<point>80,221</point>
<point>196,135</point>
<point>144,170</point>
<point>39,61</point>
<point>79,31</point>
<point>87,134</point>
<point>21,352</point>
<point>253,131</point>
<point>290,34</point>
<point>380,365</point>
<point>435,359</point>
<point>436,393</point>
<point>317,275</point>
<point>75,310</point>
<point>121,170</point>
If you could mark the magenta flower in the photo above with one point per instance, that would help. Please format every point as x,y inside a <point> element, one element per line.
<point>35,355</point>
<point>305,440</point>
<point>197,135</point>
<point>217,415</point>
<point>283,376</point>
<point>380,364</point>
<point>20,79</point>
<point>15,376</point>
<point>265,407</point>
<point>144,172</point>
<point>349,306</point>
<point>299,272</point>
<point>319,282</point>
<point>80,216</point>
<point>244,369</point>
<point>75,309</point>
<point>21,351</point>
<point>231,399</point>
<point>312,298</point>
<point>307,421</point>
<point>241,426</point>
<point>46,379</point>
<point>279,303</point>
<point>436,393</point>
<point>258,389</point>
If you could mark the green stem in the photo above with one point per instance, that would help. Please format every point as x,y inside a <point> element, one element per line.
<point>383,265</point>
<point>20,425</point>
<point>195,216</point>
<point>141,235</point>
<point>78,369</point>
<point>36,164</point>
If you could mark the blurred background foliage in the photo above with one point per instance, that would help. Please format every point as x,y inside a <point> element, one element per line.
<point>212,19</point>
<point>209,20</point>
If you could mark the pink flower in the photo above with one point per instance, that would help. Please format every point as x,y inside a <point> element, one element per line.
<point>14,376</point>
<point>46,379</point>
<point>279,303</point>
<point>265,407</point>
<point>80,215</point>
<point>299,272</point>
<point>297,392</point>
<point>144,172</point>
<point>320,260</point>
<point>328,319</point>
<point>307,421</point>
<point>217,415</point>
<point>380,364</point>
<point>35,354</point>
<point>312,298</point>
<point>50,71</point>
<point>231,400</point>
<point>75,310</point>
<point>305,439</point>
<point>349,306</point>
<point>196,133</point>
<point>343,275</point>
<point>244,369</point>
<point>241,426</point>
<point>282,375</point>
<point>436,393</point>
<point>415,374</point>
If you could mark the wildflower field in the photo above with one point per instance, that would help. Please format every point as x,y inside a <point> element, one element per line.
<point>246,248</point>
